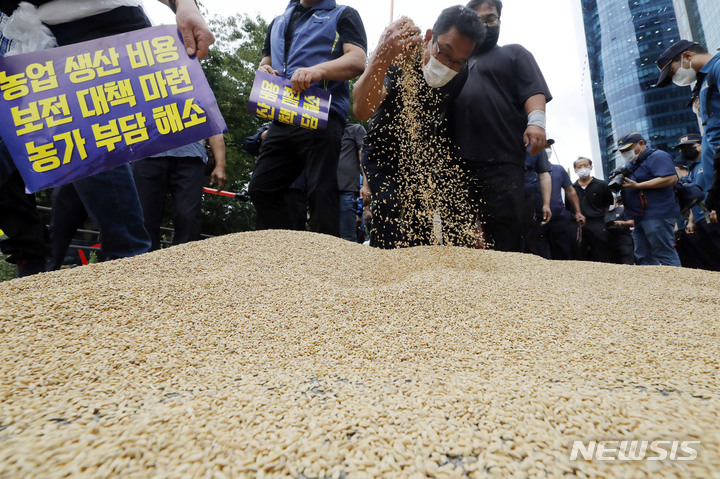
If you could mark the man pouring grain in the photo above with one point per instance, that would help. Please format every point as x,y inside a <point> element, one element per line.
<point>407,87</point>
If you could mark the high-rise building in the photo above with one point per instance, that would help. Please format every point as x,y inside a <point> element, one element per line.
<point>708,12</point>
<point>623,40</point>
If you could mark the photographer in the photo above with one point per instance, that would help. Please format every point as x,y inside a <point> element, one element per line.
<point>647,183</point>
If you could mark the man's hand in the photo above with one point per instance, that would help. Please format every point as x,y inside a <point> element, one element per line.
<point>398,38</point>
<point>218,177</point>
<point>535,136</point>
<point>547,214</point>
<point>690,228</point>
<point>267,69</point>
<point>365,195</point>
<point>304,77</point>
<point>628,183</point>
<point>195,32</point>
<point>580,219</point>
<point>713,216</point>
<point>367,215</point>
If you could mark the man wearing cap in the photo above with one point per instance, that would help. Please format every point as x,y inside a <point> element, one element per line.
<point>649,200</point>
<point>698,243</point>
<point>685,63</point>
<point>690,153</point>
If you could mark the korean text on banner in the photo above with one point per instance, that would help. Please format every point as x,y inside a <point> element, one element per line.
<point>272,98</point>
<point>70,112</point>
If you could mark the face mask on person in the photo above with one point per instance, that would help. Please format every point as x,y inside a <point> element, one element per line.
<point>548,152</point>
<point>584,172</point>
<point>436,74</point>
<point>491,38</point>
<point>689,155</point>
<point>684,76</point>
<point>628,156</point>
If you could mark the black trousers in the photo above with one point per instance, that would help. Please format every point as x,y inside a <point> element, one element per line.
<point>387,231</point>
<point>700,250</point>
<point>286,152</point>
<point>20,221</point>
<point>497,193</point>
<point>555,240</point>
<point>68,214</point>
<point>594,246</point>
<point>183,178</point>
<point>620,244</point>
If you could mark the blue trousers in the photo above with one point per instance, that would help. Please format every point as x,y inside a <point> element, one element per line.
<point>655,242</point>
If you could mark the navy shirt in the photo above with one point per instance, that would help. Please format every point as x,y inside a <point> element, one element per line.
<point>658,203</point>
<point>534,165</point>
<point>560,181</point>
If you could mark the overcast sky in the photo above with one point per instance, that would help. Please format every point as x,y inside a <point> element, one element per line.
<point>551,30</point>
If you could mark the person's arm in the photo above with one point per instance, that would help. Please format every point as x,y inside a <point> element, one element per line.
<point>571,195</point>
<point>369,90</point>
<point>347,67</point>
<point>195,32</point>
<point>217,145</point>
<point>535,134</point>
<point>655,183</point>
<point>690,226</point>
<point>545,192</point>
<point>365,189</point>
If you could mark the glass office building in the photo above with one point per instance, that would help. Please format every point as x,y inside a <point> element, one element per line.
<point>708,11</point>
<point>624,38</point>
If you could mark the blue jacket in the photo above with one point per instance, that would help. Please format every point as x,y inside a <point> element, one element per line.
<point>314,41</point>
<point>710,114</point>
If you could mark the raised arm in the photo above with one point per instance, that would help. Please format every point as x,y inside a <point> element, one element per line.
<point>369,90</point>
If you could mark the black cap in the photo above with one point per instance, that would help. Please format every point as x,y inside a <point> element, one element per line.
<point>550,142</point>
<point>628,140</point>
<point>689,139</point>
<point>663,63</point>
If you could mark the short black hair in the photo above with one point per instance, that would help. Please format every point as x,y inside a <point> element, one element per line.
<point>466,21</point>
<point>692,48</point>
<point>581,158</point>
<point>473,4</point>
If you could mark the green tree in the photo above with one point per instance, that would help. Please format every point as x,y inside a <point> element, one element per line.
<point>230,69</point>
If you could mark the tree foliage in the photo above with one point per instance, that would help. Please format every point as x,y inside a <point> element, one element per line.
<point>230,69</point>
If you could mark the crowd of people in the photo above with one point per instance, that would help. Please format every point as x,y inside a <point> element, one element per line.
<point>456,151</point>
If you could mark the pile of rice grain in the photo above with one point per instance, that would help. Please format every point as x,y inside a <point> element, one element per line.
<point>285,354</point>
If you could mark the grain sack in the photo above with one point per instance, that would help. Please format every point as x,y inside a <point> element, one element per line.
<point>287,354</point>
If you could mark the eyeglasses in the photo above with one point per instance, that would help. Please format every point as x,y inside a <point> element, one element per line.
<point>447,60</point>
<point>491,20</point>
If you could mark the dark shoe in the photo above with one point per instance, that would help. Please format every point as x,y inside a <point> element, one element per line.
<point>29,266</point>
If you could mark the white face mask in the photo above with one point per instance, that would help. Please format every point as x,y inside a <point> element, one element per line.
<point>436,74</point>
<point>628,156</point>
<point>584,172</point>
<point>684,76</point>
<point>548,152</point>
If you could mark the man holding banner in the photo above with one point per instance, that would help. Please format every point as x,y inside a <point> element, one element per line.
<point>314,43</point>
<point>110,196</point>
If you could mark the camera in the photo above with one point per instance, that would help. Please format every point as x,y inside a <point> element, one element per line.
<point>618,177</point>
